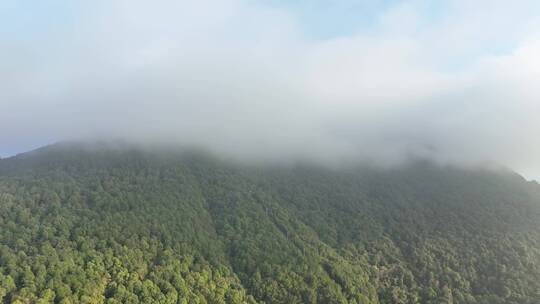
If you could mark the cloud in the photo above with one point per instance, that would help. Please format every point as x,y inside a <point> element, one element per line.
<point>456,82</point>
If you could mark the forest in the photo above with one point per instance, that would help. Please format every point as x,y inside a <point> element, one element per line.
<point>128,225</point>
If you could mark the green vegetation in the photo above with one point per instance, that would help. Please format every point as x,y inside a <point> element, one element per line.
<point>127,226</point>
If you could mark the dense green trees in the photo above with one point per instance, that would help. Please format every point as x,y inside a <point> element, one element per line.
<point>106,225</point>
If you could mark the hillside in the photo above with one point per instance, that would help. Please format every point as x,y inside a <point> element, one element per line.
<point>123,225</point>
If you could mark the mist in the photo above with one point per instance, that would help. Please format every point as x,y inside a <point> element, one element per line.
<point>255,80</point>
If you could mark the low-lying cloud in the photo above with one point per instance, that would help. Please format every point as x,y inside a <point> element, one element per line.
<point>458,83</point>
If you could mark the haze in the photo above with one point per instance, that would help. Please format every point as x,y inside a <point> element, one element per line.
<point>455,81</point>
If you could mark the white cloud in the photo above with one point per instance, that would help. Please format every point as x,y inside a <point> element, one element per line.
<point>457,84</point>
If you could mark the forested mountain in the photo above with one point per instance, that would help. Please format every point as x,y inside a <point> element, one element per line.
<point>124,225</point>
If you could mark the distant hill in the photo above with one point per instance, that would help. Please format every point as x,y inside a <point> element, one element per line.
<point>102,224</point>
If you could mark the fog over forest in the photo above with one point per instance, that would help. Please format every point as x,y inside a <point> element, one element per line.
<point>270,152</point>
<point>368,80</point>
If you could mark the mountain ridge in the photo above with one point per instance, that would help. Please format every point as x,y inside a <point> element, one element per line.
<point>137,227</point>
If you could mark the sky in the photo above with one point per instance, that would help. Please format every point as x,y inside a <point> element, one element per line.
<point>455,81</point>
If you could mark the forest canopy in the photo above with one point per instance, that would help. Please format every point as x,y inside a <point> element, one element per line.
<point>129,226</point>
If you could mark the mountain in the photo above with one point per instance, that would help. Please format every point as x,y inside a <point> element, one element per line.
<point>103,224</point>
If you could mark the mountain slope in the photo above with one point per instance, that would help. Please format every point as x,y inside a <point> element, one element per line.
<point>102,224</point>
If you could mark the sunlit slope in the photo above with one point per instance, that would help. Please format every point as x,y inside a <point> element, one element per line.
<point>106,224</point>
